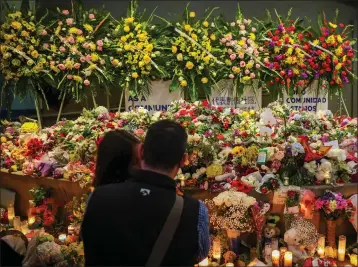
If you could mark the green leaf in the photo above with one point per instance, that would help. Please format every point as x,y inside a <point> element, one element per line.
<point>174,85</point>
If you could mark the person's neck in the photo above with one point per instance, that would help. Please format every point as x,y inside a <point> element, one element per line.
<point>171,173</point>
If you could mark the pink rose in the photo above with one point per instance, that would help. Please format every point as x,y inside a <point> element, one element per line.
<point>28,168</point>
<point>91,16</point>
<point>77,66</point>
<point>82,59</point>
<point>52,62</point>
<point>266,60</point>
<point>231,76</point>
<point>242,27</point>
<point>229,51</point>
<point>256,54</point>
<point>60,23</point>
<point>246,21</point>
<point>244,46</point>
<point>88,57</point>
<point>228,44</point>
<point>241,56</point>
<point>99,48</point>
<point>62,49</point>
<point>247,72</point>
<point>243,38</point>
<point>257,66</point>
<point>86,45</point>
<point>252,75</point>
<point>69,21</point>
<point>223,40</point>
<point>86,82</point>
<point>65,12</point>
<point>79,32</point>
<point>69,77</point>
<point>229,37</point>
<point>61,67</point>
<point>233,68</point>
<point>232,56</point>
<point>242,64</point>
<point>100,43</point>
<point>253,29</point>
<point>279,155</point>
<point>71,39</point>
<point>44,32</point>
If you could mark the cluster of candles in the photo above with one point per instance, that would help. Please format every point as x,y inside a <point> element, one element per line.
<point>281,257</point>
<point>16,222</point>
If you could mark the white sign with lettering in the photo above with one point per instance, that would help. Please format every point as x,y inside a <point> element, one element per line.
<point>250,98</point>
<point>308,101</point>
<point>159,99</point>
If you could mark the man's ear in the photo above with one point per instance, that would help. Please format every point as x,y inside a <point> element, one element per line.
<point>184,161</point>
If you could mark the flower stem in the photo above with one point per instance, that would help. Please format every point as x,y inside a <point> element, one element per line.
<point>61,106</point>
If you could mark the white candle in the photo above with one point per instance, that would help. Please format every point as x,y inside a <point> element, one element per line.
<point>62,237</point>
<point>11,214</point>
<point>342,248</point>
<point>24,227</point>
<point>321,245</point>
<point>229,264</point>
<point>17,223</point>
<point>204,262</point>
<point>216,250</point>
<point>275,257</point>
<point>287,260</point>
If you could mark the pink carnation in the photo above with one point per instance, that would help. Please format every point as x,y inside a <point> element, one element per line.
<point>247,72</point>
<point>60,23</point>
<point>231,76</point>
<point>242,64</point>
<point>88,57</point>
<point>71,39</point>
<point>242,27</point>
<point>99,48</point>
<point>65,12</point>
<point>62,49</point>
<point>102,62</point>
<point>100,43</point>
<point>229,37</point>
<point>46,45</point>
<point>61,67</point>
<point>246,21</point>
<point>69,21</point>
<point>257,66</point>
<point>77,66</point>
<point>85,45</point>
<point>44,32</point>
<point>241,56</point>
<point>82,59</point>
<point>252,75</point>
<point>91,16</point>
<point>253,29</point>
<point>232,56</point>
<point>79,32</point>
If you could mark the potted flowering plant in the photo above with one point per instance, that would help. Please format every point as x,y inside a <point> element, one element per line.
<point>334,207</point>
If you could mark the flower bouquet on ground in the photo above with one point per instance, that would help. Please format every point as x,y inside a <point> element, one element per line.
<point>230,210</point>
<point>22,59</point>
<point>259,211</point>
<point>334,207</point>
<point>135,54</point>
<point>193,43</point>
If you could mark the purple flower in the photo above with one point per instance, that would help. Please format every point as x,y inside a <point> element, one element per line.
<point>45,168</point>
<point>289,72</point>
<point>271,65</point>
<point>208,134</point>
<point>280,27</point>
<point>10,130</point>
<point>272,44</point>
<point>304,75</point>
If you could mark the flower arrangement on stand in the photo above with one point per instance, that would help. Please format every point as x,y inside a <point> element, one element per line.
<point>334,206</point>
<point>194,58</point>
<point>135,54</point>
<point>23,60</point>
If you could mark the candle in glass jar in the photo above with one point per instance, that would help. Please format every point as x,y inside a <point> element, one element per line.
<point>275,258</point>
<point>24,227</point>
<point>287,260</point>
<point>354,259</point>
<point>11,214</point>
<point>342,247</point>
<point>62,237</point>
<point>229,264</point>
<point>321,245</point>
<point>217,250</point>
<point>17,223</point>
<point>204,262</point>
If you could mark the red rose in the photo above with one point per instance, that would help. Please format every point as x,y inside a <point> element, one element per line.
<point>220,136</point>
<point>205,103</point>
<point>264,190</point>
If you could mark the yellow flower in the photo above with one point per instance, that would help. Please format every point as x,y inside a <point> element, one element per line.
<point>295,71</point>
<point>135,75</point>
<point>228,62</point>
<point>88,27</point>
<point>24,34</point>
<point>338,51</point>
<point>13,168</point>
<point>206,24</point>
<point>214,170</point>
<point>250,65</point>
<point>236,70</point>
<point>194,36</point>
<point>149,48</point>
<point>174,49</point>
<point>277,49</point>
<point>289,51</point>
<point>180,57</point>
<point>68,64</point>
<point>331,39</point>
<point>322,56</point>
<point>189,65</point>
<point>16,25</point>
<point>34,54</point>
<point>142,37</point>
<point>289,60</point>
<point>339,38</point>
<point>316,42</point>
<point>127,47</point>
<point>252,36</point>
<point>245,114</point>
<point>115,62</point>
<point>129,20</point>
<point>213,37</point>
<point>94,57</point>
<point>187,27</point>
<point>54,68</point>
<point>141,64</point>
<point>204,80</point>
<point>338,66</point>
<point>206,59</point>
<point>252,112</point>
<point>332,205</point>
<point>246,78</point>
<point>77,78</point>
<point>147,59</point>
<point>332,25</point>
<point>92,46</point>
<point>3,139</point>
<point>124,39</point>
<point>183,83</point>
<point>80,39</point>
<point>127,29</point>
<point>29,127</point>
<point>140,46</point>
<point>192,14</point>
<point>238,151</point>
<point>73,30</point>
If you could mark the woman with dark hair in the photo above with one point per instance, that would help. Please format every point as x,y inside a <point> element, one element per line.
<point>117,154</point>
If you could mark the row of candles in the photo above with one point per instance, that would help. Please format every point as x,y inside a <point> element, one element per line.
<point>16,222</point>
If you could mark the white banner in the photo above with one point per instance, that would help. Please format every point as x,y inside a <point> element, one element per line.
<point>308,101</point>
<point>159,99</point>
<point>249,100</point>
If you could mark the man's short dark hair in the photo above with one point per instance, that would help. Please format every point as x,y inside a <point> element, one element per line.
<point>164,145</point>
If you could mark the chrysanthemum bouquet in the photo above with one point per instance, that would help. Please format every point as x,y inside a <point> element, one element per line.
<point>194,50</point>
<point>76,52</point>
<point>135,54</point>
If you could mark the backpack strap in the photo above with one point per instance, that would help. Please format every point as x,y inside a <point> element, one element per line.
<point>167,233</point>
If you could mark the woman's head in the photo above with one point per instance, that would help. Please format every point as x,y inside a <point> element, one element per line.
<point>116,155</point>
